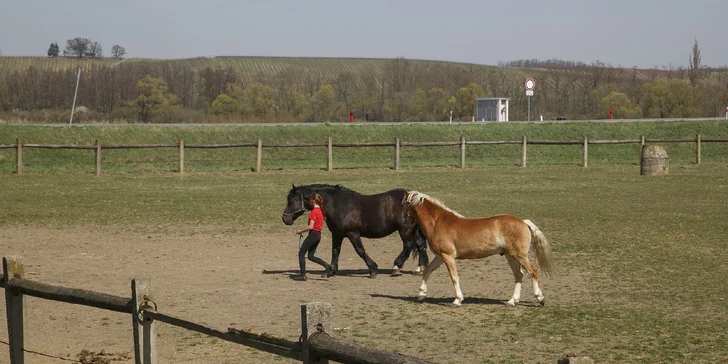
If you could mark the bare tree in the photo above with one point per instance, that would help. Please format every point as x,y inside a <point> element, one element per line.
<point>95,50</point>
<point>694,72</point>
<point>118,51</point>
<point>77,47</point>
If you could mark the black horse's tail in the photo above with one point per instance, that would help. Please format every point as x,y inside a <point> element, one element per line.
<point>420,240</point>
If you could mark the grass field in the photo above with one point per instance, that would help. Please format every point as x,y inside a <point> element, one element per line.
<point>642,259</point>
<point>242,159</point>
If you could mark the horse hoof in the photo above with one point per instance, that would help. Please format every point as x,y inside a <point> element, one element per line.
<point>542,302</point>
<point>510,304</point>
<point>396,273</point>
<point>372,275</point>
<point>330,271</point>
<point>457,303</point>
<point>420,298</point>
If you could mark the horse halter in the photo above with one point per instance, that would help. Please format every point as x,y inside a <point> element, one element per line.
<point>303,208</point>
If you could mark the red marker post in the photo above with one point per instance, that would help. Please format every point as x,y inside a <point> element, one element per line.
<point>610,113</point>
<point>351,116</point>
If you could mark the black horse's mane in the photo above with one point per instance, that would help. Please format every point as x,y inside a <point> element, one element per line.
<point>321,187</point>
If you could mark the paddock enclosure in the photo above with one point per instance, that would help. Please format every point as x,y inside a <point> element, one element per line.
<point>640,259</point>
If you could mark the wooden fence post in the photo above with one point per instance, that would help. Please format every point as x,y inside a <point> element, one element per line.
<point>181,156</point>
<point>330,156</point>
<point>18,156</point>
<point>584,153</point>
<point>642,145</point>
<point>697,150</point>
<point>145,346</point>
<point>396,154</point>
<point>13,268</point>
<point>98,158</point>
<point>462,151</point>
<point>315,317</point>
<point>259,156</point>
<point>523,151</point>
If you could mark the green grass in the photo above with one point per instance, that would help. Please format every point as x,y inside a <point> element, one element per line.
<point>242,159</point>
<point>651,250</point>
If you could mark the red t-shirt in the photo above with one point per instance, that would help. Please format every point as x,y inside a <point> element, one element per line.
<point>318,218</point>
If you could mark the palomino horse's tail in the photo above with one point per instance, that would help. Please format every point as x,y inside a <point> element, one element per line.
<point>543,249</point>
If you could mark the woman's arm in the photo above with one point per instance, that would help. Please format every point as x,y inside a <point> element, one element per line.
<point>307,228</point>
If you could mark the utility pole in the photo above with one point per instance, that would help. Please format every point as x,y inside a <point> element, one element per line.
<point>78,79</point>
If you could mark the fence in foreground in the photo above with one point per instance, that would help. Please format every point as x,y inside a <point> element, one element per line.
<point>315,347</point>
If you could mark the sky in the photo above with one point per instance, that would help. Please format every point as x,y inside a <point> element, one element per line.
<point>627,33</point>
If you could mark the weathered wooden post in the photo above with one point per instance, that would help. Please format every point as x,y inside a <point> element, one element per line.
<point>145,347</point>
<point>330,156</point>
<point>396,154</point>
<point>259,156</point>
<point>98,157</point>
<point>584,153</point>
<point>462,151</point>
<point>13,268</point>
<point>18,156</point>
<point>697,149</point>
<point>315,317</point>
<point>642,145</point>
<point>181,156</point>
<point>523,151</point>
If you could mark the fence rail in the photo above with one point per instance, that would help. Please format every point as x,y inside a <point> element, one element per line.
<point>397,144</point>
<point>316,345</point>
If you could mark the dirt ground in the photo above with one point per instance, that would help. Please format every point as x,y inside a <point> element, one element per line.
<point>226,278</point>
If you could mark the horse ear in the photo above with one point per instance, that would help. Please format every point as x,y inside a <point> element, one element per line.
<point>419,189</point>
<point>293,187</point>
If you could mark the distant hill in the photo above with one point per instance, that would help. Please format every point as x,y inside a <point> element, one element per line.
<point>252,67</point>
<point>320,88</point>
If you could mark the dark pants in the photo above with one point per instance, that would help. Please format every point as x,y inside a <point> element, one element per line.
<point>309,246</point>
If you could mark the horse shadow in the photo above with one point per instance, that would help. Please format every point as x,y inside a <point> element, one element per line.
<point>447,301</point>
<point>357,273</point>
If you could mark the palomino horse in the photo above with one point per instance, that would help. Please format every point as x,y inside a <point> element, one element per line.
<point>451,236</point>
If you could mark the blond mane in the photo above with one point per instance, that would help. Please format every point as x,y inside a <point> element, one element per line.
<point>416,198</point>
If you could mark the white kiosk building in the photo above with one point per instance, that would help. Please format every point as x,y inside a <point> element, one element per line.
<point>492,109</point>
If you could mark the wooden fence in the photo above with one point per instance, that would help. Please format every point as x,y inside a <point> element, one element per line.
<point>330,145</point>
<point>316,345</point>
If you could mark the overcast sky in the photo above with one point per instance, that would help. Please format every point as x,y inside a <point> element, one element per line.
<point>644,33</point>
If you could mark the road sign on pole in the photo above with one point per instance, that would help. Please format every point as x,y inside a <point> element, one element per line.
<point>530,85</point>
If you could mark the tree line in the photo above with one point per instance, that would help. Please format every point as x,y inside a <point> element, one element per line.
<point>84,48</point>
<point>401,90</point>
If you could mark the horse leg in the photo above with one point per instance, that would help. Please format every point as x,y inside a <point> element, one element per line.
<point>450,264</point>
<point>399,262</point>
<point>421,244</point>
<point>526,264</point>
<point>336,241</point>
<point>518,276</point>
<point>359,248</point>
<point>436,261</point>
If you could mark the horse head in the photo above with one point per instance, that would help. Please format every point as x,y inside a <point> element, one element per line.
<point>409,206</point>
<point>297,204</point>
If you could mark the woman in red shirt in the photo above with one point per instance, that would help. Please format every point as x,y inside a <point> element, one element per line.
<point>315,223</point>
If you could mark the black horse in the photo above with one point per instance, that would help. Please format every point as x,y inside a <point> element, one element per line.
<point>353,215</point>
